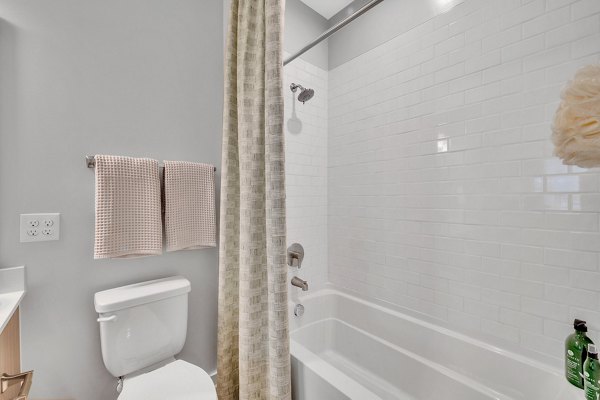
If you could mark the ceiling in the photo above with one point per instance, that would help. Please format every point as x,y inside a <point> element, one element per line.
<point>327,8</point>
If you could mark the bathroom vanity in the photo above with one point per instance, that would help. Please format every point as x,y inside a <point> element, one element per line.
<point>12,290</point>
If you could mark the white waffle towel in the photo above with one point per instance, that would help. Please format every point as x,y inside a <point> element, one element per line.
<point>128,213</point>
<point>189,205</point>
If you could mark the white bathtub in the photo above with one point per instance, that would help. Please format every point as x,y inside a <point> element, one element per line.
<point>347,348</point>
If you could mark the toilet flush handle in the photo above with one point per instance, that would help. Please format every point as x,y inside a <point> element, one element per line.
<point>107,319</point>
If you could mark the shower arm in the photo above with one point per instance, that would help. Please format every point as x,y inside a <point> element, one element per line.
<point>295,86</point>
<point>332,30</point>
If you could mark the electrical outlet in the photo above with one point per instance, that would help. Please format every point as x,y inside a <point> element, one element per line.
<point>40,227</point>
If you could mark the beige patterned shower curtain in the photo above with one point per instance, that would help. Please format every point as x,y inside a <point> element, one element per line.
<point>253,360</point>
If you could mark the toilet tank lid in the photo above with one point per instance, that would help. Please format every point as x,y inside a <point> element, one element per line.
<point>140,293</point>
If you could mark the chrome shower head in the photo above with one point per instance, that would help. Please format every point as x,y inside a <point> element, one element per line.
<point>305,94</point>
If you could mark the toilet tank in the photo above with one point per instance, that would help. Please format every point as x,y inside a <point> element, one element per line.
<point>142,324</point>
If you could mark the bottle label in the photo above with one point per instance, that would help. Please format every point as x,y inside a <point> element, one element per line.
<point>592,388</point>
<point>574,368</point>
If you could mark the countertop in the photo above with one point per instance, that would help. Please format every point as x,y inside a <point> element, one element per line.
<point>12,291</point>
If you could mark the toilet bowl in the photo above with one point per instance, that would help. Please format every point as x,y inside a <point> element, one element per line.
<point>178,380</point>
<point>142,327</point>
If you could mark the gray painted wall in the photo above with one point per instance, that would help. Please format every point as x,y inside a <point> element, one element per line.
<point>127,77</point>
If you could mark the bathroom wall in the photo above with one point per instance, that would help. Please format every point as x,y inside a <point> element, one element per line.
<point>444,197</point>
<point>380,24</point>
<point>306,143</point>
<point>127,77</point>
<point>306,171</point>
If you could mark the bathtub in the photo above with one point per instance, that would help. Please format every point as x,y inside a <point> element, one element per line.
<point>344,347</point>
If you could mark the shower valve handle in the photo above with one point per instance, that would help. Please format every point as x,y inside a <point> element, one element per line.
<point>295,255</point>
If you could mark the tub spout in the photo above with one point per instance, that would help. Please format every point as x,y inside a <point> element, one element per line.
<point>300,283</point>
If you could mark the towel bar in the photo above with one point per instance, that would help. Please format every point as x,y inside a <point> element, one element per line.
<point>90,161</point>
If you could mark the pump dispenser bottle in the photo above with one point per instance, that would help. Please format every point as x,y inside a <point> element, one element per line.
<point>591,374</point>
<point>576,353</point>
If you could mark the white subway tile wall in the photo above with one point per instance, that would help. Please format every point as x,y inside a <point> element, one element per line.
<point>443,194</point>
<point>306,171</point>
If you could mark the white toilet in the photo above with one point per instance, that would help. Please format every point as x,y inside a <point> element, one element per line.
<point>142,327</point>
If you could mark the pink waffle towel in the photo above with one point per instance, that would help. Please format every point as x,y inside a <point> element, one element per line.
<point>189,205</point>
<point>128,213</point>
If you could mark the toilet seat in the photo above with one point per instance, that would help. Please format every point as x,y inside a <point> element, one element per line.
<point>177,380</point>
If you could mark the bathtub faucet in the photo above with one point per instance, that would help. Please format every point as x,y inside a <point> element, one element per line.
<point>300,283</point>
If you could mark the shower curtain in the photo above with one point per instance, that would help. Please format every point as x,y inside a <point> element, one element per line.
<point>253,359</point>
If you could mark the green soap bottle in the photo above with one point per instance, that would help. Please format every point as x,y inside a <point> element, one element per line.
<point>591,374</point>
<point>576,353</point>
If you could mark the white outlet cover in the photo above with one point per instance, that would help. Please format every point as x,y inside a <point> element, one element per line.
<point>39,227</point>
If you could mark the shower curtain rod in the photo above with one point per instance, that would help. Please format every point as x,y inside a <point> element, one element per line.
<point>332,30</point>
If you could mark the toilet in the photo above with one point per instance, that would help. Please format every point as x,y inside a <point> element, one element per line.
<point>142,327</point>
